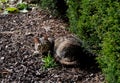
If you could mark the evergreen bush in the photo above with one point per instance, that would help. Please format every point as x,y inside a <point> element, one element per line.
<point>97,23</point>
<point>110,57</point>
<point>110,53</point>
<point>48,4</point>
<point>84,19</point>
<point>73,14</point>
<point>55,7</point>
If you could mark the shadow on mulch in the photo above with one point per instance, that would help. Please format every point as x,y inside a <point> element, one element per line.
<point>86,63</point>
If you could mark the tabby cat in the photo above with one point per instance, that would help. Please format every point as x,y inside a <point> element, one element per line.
<point>65,49</point>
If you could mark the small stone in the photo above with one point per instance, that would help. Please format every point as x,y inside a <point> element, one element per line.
<point>91,74</point>
<point>2,58</point>
<point>6,46</point>
<point>56,76</point>
<point>26,56</point>
<point>36,52</point>
<point>47,28</point>
<point>1,42</point>
<point>29,34</point>
<point>37,73</point>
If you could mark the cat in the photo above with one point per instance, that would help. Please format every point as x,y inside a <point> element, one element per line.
<point>65,49</point>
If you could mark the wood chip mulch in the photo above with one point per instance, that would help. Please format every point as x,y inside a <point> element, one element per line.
<point>17,62</point>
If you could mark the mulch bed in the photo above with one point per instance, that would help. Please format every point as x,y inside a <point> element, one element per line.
<point>17,62</point>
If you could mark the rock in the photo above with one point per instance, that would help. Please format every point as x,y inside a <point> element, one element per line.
<point>2,58</point>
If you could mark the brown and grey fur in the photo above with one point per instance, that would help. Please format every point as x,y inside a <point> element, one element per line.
<point>43,45</point>
<point>67,49</point>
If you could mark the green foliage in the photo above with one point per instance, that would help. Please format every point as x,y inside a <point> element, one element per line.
<point>22,6</point>
<point>49,5</point>
<point>73,14</point>
<point>55,7</point>
<point>110,57</point>
<point>6,7</point>
<point>12,10</point>
<point>97,23</point>
<point>49,62</point>
<point>0,7</point>
<point>3,4</point>
<point>110,53</point>
<point>3,1</point>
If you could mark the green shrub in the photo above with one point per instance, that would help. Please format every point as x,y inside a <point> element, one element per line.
<point>110,53</point>
<point>110,57</point>
<point>49,5</point>
<point>97,23</point>
<point>84,19</point>
<point>55,7</point>
<point>73,14</point>
<point>22,6</point>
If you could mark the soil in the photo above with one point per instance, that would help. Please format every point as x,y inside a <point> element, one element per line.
<point>18,64</point>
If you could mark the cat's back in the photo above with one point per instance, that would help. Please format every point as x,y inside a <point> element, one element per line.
<point>66,49</point>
